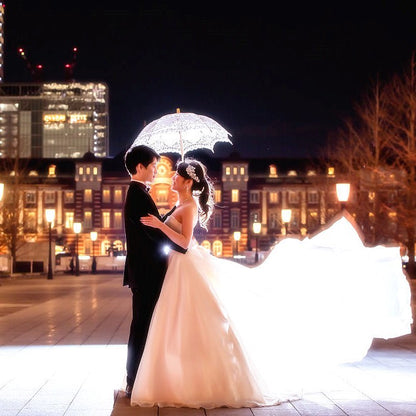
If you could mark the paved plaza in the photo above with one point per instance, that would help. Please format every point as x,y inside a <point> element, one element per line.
<point>63,351</point>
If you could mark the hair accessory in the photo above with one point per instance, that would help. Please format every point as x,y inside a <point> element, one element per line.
<point>190,170</point>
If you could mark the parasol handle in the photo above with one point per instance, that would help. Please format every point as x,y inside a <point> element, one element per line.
<point>178,110</point>
<point>181,144</point>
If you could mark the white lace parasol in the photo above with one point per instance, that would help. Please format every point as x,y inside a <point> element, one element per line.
<point>181,133</point>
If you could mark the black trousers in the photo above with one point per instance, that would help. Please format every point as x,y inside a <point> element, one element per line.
<point>143,305</point>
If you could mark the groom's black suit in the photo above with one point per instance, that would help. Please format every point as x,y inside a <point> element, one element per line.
<point>145,269</point>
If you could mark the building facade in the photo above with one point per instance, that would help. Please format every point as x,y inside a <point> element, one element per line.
<point>1,41</point>
<point>91,191</point>
<point>54,119</point>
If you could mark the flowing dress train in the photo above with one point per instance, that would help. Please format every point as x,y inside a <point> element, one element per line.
<point>223,334</point>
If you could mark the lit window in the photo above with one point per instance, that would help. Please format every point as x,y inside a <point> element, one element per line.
<point>69,197</point>
<point>273,171</point>
<point>81,170</point>
<point>217,248</point>
<point>106,195</point>
<point>117,196</point>
<point>162,196</point>
<point>292,173</point>
<point>88,170</point>
<point>87,219</point>
<point>30,221</point>
<point>235,195</point>
<point>106,219</point>
<point>228,170</point>
<point>95,170</point>
<point>118,245</point>
<point>273,197</point>
<point>235,170</point>
<point>69,219</point>
<point>206,244</point>
<point>118,220</point>
<point>87,195</point>
<point>105,247</point>
<point>242,170</point>
<point>331,171</point>
<point>52,170</point>
<point>217,196</point>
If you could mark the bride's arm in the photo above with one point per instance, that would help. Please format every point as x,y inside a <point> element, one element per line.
<point>186,218</point>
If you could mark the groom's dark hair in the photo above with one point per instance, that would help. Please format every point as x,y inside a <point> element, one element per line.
<point>139,154</point>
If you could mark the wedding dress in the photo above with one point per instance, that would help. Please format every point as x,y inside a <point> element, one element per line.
<point>223,334</point>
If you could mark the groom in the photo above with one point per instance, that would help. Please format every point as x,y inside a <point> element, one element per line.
<point>146,261</point>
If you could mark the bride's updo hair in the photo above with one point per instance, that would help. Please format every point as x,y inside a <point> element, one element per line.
<point>201,187</point>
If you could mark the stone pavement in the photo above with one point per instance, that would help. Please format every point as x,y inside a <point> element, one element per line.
<point>62,352</point>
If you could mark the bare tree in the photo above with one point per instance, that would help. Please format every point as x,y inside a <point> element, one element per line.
<point>362,154</point>
<point>402,123</point>
<point>13,171</point>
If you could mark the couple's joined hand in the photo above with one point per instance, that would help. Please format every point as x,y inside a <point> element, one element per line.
<point>151,221</point>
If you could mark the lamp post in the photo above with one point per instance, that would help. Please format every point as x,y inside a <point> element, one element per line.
<point>343,193</point>
<point>256,231</point>
<point>237,236</point>
<point>50,217</point>
<point>93,236</point>
<point>77,230</point>
<point>286,216</point>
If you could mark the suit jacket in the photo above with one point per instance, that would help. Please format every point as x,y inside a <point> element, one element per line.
<point>146,260</point>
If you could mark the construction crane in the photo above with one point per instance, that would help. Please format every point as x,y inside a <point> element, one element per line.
<point>36,71</point>
<point>69,68</point>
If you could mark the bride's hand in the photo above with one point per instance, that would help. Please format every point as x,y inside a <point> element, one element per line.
<point>151,221</point>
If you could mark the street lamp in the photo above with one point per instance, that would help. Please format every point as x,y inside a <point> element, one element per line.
<point>237,236</point>
<point>343,193</point>
<point>286,216</point>
<point>77,230</point>
<point>93,236</point>
<point>50,217</point>
<point>256,231</point>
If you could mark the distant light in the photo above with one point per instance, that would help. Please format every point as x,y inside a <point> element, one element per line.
<point>77,227</point>
<point>286,215</point>
<point>343,191</point>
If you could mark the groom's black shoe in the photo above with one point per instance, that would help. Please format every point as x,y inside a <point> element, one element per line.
<point>128,390</point>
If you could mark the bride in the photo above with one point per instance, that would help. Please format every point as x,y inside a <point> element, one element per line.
<point>223,334</point>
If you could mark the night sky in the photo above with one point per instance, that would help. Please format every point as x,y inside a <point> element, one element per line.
<point>281,82</point>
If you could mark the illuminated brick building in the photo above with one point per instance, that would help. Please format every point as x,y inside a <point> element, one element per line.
<point>92,191</point>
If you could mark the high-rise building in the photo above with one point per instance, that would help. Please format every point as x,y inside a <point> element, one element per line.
<point>54,119</point>
<point>1,40</point>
